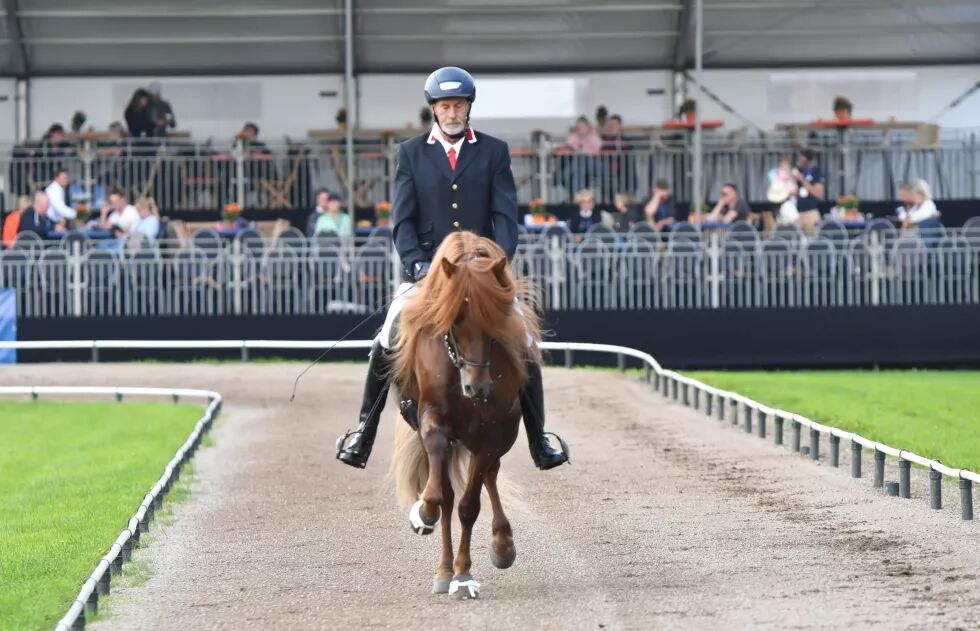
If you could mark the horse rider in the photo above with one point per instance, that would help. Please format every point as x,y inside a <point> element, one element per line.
<point>449,178</point>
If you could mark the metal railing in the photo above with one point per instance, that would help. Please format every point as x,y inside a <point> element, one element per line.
<point>602,271</point>
<point>182,174</point>
<point>98,583</point>
<point>727,406</point>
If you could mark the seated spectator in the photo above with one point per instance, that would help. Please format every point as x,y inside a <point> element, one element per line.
<point>35,219</point>
<point>334,220</point>
<point>658,209</point>
<point>117,214</point>
<point>730,207</point>
<point>11,224</point>
<point>905,196</point>
<point>137,115</point>
<point>318,210</point>
<point>588,215</point>
<point>149,218</point>
<point>159,112</point>
<point>622,214</point>
<point>923,216</point>
<point>57,193</point>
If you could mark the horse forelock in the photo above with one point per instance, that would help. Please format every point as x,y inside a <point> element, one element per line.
<point>473,289</point>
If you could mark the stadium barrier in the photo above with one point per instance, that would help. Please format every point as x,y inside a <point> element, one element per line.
<point>639,270</point>
<point>98,583</point>
<point>684,390</point>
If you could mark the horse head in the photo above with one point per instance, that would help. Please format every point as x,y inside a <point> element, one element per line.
<point>468,340</point>
<point>471,316</point>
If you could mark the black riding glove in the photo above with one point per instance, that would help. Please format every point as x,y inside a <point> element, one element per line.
<point>420,270</point>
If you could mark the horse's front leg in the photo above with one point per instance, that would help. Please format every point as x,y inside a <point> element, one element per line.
<point>425,513</point>
<point>444,575</point>
<point>463,585</point>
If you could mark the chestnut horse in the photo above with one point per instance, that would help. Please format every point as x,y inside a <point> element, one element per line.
<point>463,345</point>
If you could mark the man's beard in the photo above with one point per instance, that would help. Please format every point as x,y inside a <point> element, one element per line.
<point>454,129</point>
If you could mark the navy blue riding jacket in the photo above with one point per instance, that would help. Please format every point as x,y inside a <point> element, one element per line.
<point>431,199</point>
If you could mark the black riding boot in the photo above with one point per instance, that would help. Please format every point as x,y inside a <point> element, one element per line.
<point>354,448</point>
<point>532,407</point>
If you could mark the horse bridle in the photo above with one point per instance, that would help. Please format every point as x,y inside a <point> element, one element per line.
<point>457,359</point>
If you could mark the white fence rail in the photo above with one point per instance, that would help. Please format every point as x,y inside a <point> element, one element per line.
<point>98,583</point>
<point>686,390</point>
<point>604,271</point>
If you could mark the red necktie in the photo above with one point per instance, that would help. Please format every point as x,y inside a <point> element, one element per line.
<point>452,158</point>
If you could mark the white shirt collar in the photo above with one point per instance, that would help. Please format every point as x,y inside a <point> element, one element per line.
<point>436,136</point>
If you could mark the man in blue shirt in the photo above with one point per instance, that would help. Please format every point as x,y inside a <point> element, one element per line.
<point>658,209</point>
<point>812,189</point>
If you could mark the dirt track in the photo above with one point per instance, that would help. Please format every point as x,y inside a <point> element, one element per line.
<point>666,519</point>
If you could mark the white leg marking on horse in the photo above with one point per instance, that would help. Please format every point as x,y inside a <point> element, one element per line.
<point>465,589</point>
<point>418,523</point>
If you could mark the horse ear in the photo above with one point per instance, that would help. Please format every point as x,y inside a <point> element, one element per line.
<point>448,268</point>
<point>500,271</point>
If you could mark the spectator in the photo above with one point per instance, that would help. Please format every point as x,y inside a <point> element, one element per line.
<point>159,112</point>
<point>250,135</point>
<point>623,214</point>
<point>118,215</point>
<point>730,207</point>
<point>36,219</point>
<point>149,218</point>
<point>811,190</point>
<point>585,144</point>
<point>11,225</point>
<point>905,195</point>
<point>658,209</point>
<point>55,147</point>
<point>616,157</point>
<point>137,115</point>
<point>57,195</point>
<point>923,216</point>
<point>333,219</point>
<point>321,207</point>
<point>583,138</point>
<point>782,195</point>
<point>587,215</point>
<point>55,144</point>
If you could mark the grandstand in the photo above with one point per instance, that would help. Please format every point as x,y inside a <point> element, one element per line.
<point>263,123</point>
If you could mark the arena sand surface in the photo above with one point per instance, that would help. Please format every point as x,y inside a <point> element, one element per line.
<point>665,519</point>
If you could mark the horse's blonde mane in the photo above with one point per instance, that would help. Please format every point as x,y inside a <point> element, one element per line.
<point>487,295</point>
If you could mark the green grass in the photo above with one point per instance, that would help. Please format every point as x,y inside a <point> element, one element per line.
<point>71,476</point>
<point>936,414</point>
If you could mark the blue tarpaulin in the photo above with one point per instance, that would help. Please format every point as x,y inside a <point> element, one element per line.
<point>8,325</point>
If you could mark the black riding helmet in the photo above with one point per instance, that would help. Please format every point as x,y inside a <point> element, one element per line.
<point>450,82</point>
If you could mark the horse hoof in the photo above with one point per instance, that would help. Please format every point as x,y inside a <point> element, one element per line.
<point>441,585</point>
<point>505,561</point>
<point>419,525</point>
<point>463,587</point>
